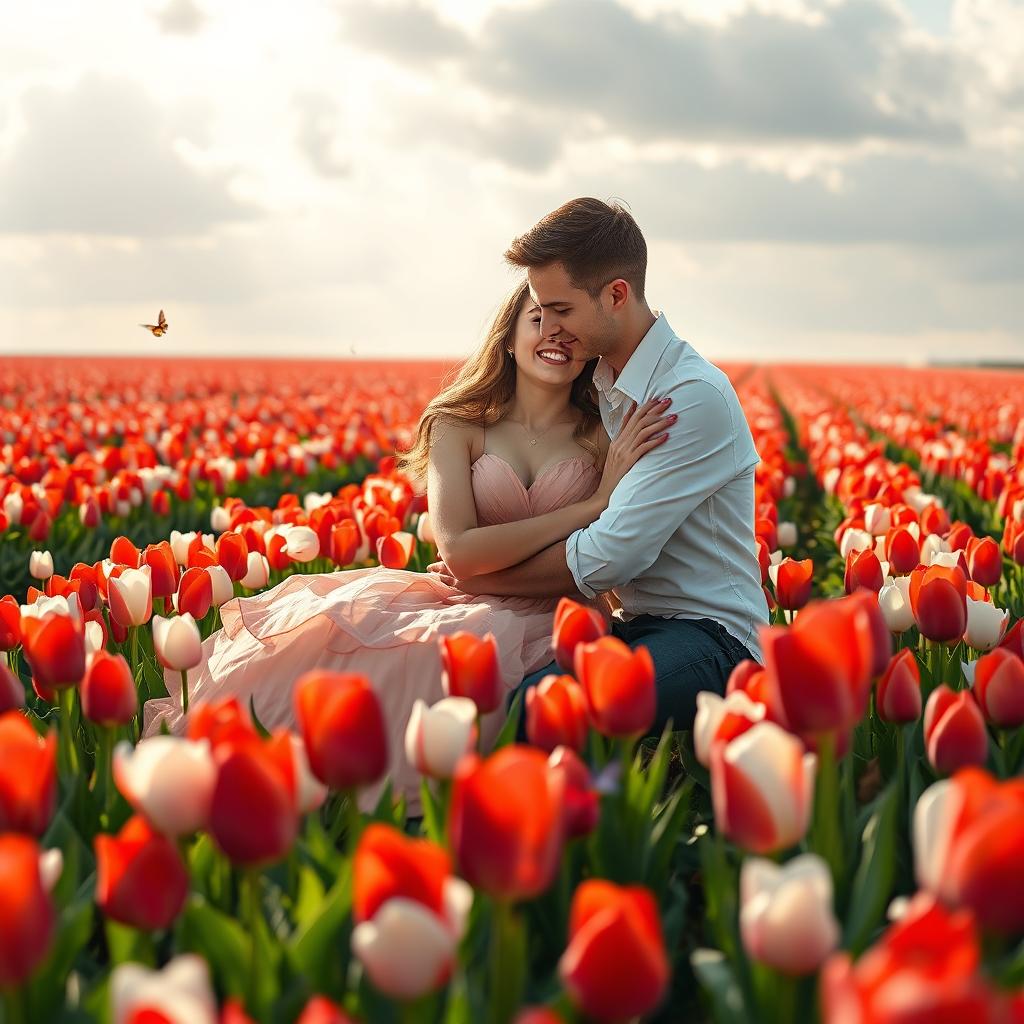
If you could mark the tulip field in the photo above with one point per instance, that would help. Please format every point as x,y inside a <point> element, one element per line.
<point>838,838</point>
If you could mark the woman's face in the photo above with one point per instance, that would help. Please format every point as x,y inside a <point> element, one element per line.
<point>547,362</point>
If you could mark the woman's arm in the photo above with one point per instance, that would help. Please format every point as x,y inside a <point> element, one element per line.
<point>471,550</point>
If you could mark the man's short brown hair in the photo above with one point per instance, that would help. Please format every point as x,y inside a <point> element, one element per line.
<point>596,242</point>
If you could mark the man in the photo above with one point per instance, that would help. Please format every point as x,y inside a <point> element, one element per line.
<point>676,543</point>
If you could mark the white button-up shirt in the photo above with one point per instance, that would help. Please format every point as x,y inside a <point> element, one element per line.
<point>677,537</point>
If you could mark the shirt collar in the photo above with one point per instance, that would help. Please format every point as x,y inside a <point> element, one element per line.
<point>636,375</point>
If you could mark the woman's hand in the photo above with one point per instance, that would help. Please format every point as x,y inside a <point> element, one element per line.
<point>642,429</point>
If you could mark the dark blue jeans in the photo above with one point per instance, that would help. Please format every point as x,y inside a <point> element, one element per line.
<point>689,655</point>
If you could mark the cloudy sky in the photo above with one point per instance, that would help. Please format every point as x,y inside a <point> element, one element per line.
<point>816,179</point>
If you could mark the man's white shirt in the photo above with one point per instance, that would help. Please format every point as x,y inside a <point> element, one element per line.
<point>677,538</point>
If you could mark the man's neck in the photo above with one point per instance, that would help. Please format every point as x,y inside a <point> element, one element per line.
<point>634,333</point>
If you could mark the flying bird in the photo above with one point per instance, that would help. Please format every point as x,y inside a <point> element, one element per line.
<point>160,328</point>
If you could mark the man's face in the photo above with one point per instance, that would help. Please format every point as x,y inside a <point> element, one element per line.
<point>569,316</point>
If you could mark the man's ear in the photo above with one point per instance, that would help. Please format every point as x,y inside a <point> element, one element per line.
<point>619,292</point>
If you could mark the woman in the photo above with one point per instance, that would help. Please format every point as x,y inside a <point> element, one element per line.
<point>515,459</point>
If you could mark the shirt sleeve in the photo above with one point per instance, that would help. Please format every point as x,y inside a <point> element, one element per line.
<point>660,491</point>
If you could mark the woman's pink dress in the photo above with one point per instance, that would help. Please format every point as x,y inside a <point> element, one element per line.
<point>383,623</point>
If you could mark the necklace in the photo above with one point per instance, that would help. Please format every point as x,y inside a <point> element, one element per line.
<point>534,440</point>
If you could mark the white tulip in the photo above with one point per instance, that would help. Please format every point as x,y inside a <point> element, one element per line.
<point>257,571</point>
<point>855,540</point>
<point>935,815</point>
<point>134,587</point>
<point>51,866</point>
<point>180,992</point>
<point>424,529</point>
<point>176,641</point>
<point>301,544</point>
<point>786,916</point>
<point>789,487</point>
<point>223,587</point>
<point>894,603</point>
<point>711,709</point>
<point>437,737</point>
<point>931,545</point>
<point>949,559</point>
<point>220,519</point>
<point>40,565</point>
<point>406,949</point>
<point>986,624</point>
<point>877,519</point>
<point>179,545</point>
<point>787,534</point>
<point>313,500</point>
<point>14,505</point>
<point>168,779</point>
<point>69,605</point>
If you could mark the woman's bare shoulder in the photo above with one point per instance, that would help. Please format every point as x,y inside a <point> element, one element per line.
<point>450,434</point>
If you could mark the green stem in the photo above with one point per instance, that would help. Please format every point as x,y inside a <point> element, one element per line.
<point>826,839</point>
<point>184,691</point>
<point>250,898</point>
<point>66,701</point>
<point>507,963</point>
<point>15,1008</point>
<point>103,783</point>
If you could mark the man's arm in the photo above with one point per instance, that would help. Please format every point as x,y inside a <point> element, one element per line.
<point>544,575</point>
<point>658,494</point>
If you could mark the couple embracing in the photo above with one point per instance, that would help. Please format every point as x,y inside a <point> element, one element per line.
<point>583,450</point>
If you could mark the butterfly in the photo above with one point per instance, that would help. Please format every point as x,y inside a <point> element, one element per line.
<point>161,326</point>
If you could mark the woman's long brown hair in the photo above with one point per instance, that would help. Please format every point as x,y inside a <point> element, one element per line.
<point>484,386</point>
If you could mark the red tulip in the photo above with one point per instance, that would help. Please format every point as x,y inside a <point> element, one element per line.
<point>195,592</point>
<point>28,776</point>
<point>108,690</point>
<point>141,879</point>
<point>163,568</point>
<point>27,917</point>
<point>537,1015</point>
<point>12,693</point>
<point>395,550</point>
<point>985,561</point>
<point>582,803</point>
<point>10,623</point>
<point>233,555</point>
<point>342,726</point>
<point>938,598</point>
<point>1014,639</point>
<point>999,688</point>
<point>752,679</point>
<point>556,714</point>
<point>389,864</point>
<point>320,1010</point>
<point>925,968</point>
<point>506,822</point>
<point>863,570</point>
<point>344,542</point>
<point>793,582</point>
<point>469,666</point>
<point>222,721</point>
<point>55,649</point>
<point>253,813</point>
<point>574,624</point>
<point>969,845</point>
<point>898,691</point>
<point>820,668</point>
<point>902,550</point>
<point>618,684</point>
<point>764,559</point>
<point>881,637</point>
<point>124,552</point>
<point>954,731</point>
<point>615,966</point>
